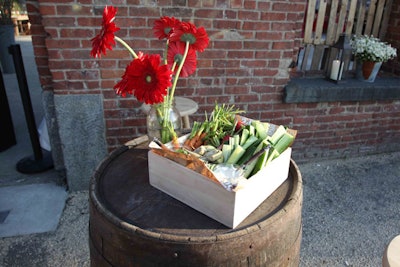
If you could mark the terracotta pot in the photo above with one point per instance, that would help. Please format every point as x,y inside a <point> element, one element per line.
<point>367,70</point>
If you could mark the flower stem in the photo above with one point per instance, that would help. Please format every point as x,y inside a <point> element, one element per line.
<point>126,46</point>
<point>166,52</point>
<point>178,72</point>
<point>167,128</point>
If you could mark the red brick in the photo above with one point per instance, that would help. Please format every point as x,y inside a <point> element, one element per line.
<point>58,21</point>
<point>110,73</point>
<point>273,16</point>
<point>237,3</point>
<point>47,10</point>
<point>250,4</point>
<point>288,6</point>
<point>212,13</point>
<point>282,45</point>
<point>76,33</point>
<point>256,26</point>
<point>248,15</point>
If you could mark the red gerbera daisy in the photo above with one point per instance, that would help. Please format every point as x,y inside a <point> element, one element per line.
<point>187,32</point>
<point>146,79</point>
<point>163,27</point>
<point>175,54</point>
<point>105,39</point>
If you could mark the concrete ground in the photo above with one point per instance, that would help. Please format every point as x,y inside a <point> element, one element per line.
<point>350,212</point>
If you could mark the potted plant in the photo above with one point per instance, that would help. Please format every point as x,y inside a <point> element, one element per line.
<point>370,53</point>
<point>6,35</point>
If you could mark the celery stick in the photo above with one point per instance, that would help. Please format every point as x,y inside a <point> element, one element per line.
<point>236,139</point>
<point>226,152</point>
<point>260,129</point>
<point>261,160</point>
<point>249,168</point>
<point>232,142</point>
<point>244,136</point>
<point>266,126</point>
<point>284,142</point>
<point>277,135</point>
<point>251,130</point>
<point>252,139</point>
<point>250,151</point>
<point>236,154</point>
<point>272,155</point>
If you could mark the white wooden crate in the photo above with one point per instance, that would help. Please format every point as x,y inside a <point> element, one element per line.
<point>227,207</point>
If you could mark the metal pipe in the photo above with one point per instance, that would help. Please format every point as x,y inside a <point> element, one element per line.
<point>15,51</point>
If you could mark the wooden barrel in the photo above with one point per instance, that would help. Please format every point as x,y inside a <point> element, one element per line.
<point>133,224</point>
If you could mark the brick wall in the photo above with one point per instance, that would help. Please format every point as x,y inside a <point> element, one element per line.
<point>39,45</point>
<point>252,44</point>
<point>393,37</point>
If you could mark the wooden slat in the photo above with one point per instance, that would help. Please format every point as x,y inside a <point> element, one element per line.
<point>378,17</point>
<point>385,20</point>
<point>309,22</point>
<point>370,17</point>
<point>360,17</point>
<point>331,32</point>
<point>350,19</point>
<point>320,22</point>
<point>317,57</point>
<point>307,51</point>
<point>342,18</point>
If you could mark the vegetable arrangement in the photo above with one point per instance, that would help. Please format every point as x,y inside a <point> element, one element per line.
<point>221,123</point>
<point>227,138</point>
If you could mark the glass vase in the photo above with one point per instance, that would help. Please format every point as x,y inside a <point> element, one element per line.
<point>163,121</point>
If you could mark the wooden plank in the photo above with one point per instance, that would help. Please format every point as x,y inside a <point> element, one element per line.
<point>385,20</point>
<point>360,17</point>
<point>370,17</point>
<point>378,18</point>
<point>307,51</point>
<point>342,18</point>
<point>331,32</point>
<point>320,23</point>
<point>351,16</point>
<point>309,22</point>
<point>317,57</point>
